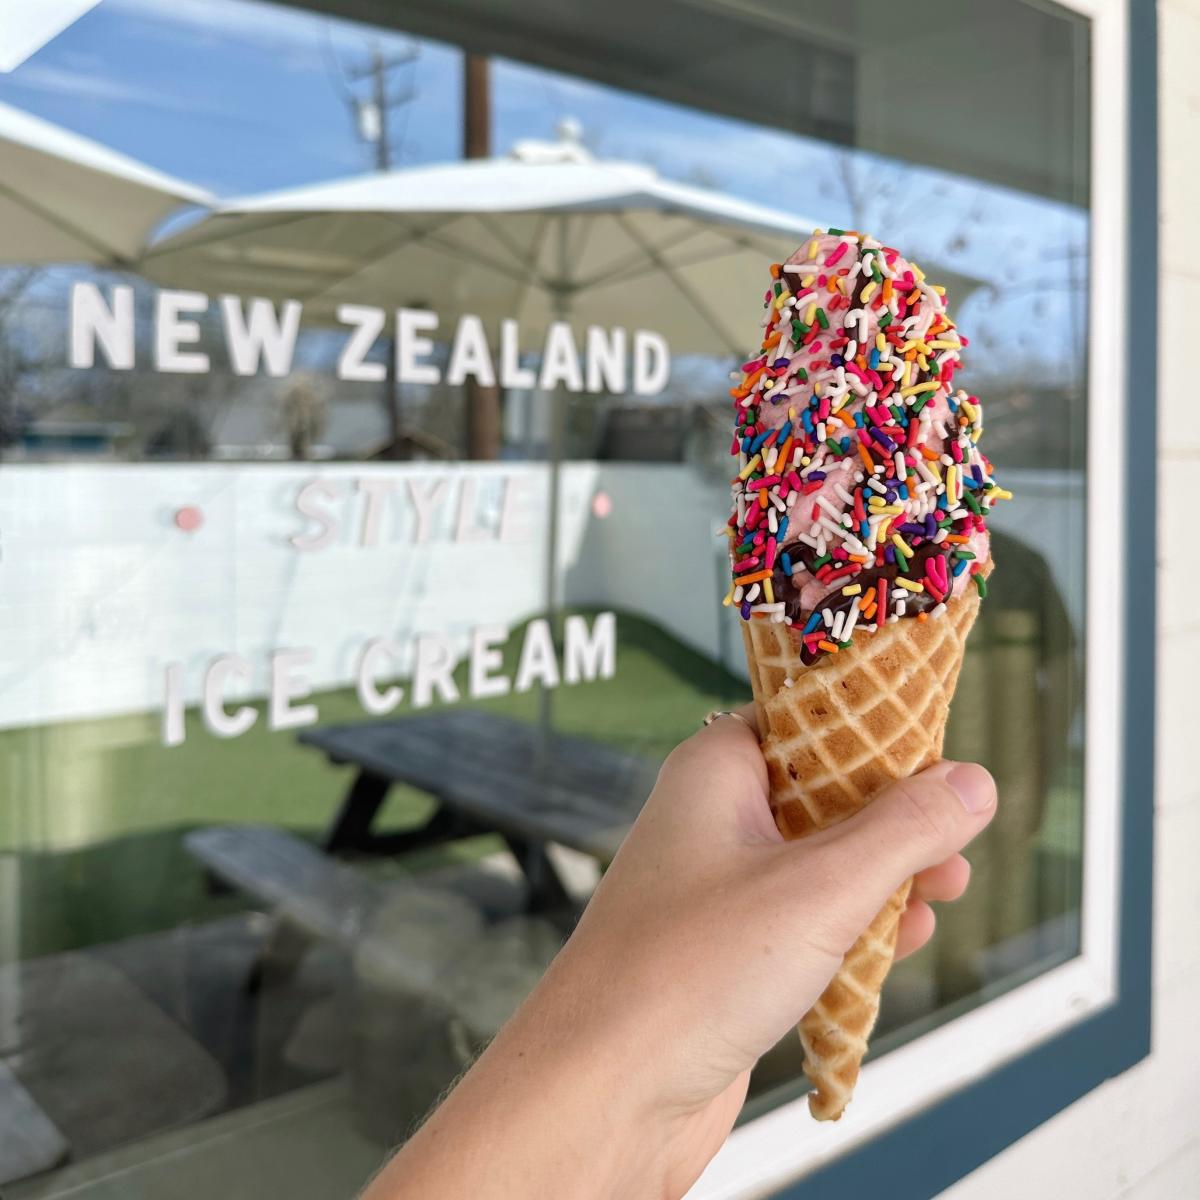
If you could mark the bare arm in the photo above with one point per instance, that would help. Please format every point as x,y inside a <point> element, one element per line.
<point>707,939</point>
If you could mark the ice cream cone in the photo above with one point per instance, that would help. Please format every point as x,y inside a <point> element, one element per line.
<point>834,734</point>
<point>859,552</point>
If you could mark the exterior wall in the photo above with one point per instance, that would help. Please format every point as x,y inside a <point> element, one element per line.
<point>1138,1136</point>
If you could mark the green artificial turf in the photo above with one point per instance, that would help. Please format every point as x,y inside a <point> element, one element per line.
<point>80,782</point>
<point>95,809</point>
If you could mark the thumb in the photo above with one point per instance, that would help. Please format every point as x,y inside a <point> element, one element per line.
<point>913,824</point>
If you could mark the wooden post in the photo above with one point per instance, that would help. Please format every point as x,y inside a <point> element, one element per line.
<point>482,403</point>
<point>477,107</point>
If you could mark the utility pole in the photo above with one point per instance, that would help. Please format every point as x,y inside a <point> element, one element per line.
<point>482,403</point>
<point>372,117</point>
<point>379,98</point>
<point>373,114</point>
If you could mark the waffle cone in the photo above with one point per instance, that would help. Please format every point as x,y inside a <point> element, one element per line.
<point>845,728</point>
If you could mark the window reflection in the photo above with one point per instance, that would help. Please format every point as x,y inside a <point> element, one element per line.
<point>252,902</point>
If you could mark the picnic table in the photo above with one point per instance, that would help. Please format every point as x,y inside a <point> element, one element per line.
<point>488,774</point>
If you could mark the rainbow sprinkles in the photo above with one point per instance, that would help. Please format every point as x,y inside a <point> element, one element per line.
<point>862,495</point>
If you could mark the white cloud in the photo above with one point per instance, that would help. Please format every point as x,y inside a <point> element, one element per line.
<point>103,88</point>
<point>269,25</point>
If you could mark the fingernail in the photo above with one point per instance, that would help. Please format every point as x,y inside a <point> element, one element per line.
<point>974,787</point>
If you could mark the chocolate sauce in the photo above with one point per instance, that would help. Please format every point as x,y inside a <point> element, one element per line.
<point>864,278</point>
<point>786,590</point>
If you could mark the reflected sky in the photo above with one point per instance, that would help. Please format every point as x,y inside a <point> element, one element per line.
<point>244,97</point>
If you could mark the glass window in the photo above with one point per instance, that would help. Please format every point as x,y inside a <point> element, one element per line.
<point>364,436</point>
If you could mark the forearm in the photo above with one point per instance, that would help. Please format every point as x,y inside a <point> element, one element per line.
<point>707,939</point>
<point>554,1107</point>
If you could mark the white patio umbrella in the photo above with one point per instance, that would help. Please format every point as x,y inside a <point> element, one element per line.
<point>546,232</point>
<point>67,199</point>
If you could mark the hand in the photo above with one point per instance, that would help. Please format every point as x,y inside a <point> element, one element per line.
<point>706,941</point>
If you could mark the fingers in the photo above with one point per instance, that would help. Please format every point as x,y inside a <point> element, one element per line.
<point>749,714</point>
<point>945,881</point>
<point>727,745</point>
<point>914,826</point>
<point>919,822</point>
<point>916,928</point>
<point>718,778</point>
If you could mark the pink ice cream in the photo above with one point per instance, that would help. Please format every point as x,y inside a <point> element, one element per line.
<point>862,494</point>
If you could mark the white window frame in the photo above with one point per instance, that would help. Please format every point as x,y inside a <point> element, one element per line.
<point>786,1144</point>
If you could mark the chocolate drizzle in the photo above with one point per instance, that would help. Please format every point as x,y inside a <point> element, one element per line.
<point>864,278</point>
<point>788,592</point>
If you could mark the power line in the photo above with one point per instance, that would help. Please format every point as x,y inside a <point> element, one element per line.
<point>372,113</point>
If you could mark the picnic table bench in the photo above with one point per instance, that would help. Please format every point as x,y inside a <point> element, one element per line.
<point>487,774</point>
<point>319,895</point>
<point>434,977</point>
<point>31,1143</point>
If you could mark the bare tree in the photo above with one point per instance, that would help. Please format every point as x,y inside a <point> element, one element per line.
<point>15,360</point>
<point>304,411</point>
<point>881,197</point>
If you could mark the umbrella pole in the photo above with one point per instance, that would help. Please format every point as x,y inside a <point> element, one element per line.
<point>558,426</point>
<point>391,404</point>
<point>557,437</point>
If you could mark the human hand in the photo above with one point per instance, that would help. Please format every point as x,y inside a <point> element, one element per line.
<point>706,941</point>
